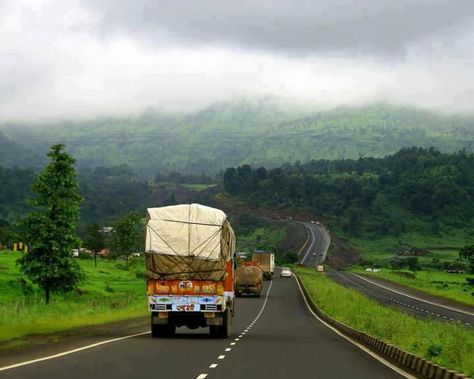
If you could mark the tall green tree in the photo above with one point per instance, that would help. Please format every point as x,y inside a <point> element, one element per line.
<point>94,240</point>
<point>467,252</point>
<point>51,227</point>
<point>127,236</point>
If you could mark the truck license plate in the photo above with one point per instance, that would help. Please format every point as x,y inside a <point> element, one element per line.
<point>185,308</point>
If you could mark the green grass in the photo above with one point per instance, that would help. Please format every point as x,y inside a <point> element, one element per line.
<point>444,246</point>
<point>109,293</point>
<point>454,286</point>
<point>447,344</point>
<point>267,238</point>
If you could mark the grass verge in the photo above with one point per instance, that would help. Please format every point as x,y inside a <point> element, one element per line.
<point>111,292</point>
<point>447,344</point>
<point>439,283</point>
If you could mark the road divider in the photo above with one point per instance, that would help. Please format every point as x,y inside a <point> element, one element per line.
<point>412,363</point>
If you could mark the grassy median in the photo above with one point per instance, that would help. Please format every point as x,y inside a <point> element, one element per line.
<point>110,292</point>
<point>447,344</point>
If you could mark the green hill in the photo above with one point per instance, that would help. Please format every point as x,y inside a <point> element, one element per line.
<point>256,132</point>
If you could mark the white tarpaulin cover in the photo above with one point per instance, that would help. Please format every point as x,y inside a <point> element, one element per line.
<point>188,241</point>
<point>185,230</point>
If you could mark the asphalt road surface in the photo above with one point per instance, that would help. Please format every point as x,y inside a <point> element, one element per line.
<point>404,302</point>
<point>318,244</point>
<point>274,336</point>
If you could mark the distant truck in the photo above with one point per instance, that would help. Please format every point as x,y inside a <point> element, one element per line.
<point>248,280</point>
<point>189,269</point>
<point>267,261</point>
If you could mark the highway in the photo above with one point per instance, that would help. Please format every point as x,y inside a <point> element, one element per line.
<point>274,336</point>
<point>316,249</point>
<point>405,302</point>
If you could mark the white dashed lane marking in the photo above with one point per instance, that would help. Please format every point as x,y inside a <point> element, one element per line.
<point>247,329</point>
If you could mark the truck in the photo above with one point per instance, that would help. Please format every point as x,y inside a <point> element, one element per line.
<point>189,255</point>
<point>267,261</point>
<point>248,280</point>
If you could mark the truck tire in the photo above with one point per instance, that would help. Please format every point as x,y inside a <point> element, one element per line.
<point>226,328</point>
<point>163,331</point>
<point>214,331</point>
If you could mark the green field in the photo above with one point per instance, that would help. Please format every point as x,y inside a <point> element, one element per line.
<point>266,238</point>
<point>447,344</point>
<point>110,292</point>
<point>444,246</point>
<point>439,283</point>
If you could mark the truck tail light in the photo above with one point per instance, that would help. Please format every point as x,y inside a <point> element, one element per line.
<point>150,287</point>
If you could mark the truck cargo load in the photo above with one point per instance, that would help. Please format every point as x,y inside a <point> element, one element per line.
<point>249,280</point>
<point>189,269</point>
<point>188,241</point>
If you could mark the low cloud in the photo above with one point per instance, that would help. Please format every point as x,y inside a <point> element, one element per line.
<point>84,60</point>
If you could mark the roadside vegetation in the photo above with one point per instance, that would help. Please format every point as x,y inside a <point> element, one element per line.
<point>454,286</point>
<point>447,344</point>
<point>113,291</point>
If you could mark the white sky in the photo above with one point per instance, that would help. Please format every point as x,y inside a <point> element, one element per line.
<point>65,59</point>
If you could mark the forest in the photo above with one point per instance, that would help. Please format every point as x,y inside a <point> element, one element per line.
<point>380,196</point>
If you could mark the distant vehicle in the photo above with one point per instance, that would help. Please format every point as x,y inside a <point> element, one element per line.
<point>285,272</point>
<point>314,254</point>
<point>248,280</point>
<point>241,255</point>
<point>312,222</point>
<point>267,260</point>
<point>318,223</point>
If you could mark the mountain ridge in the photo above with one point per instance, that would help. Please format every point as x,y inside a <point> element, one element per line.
<point>234,133</point>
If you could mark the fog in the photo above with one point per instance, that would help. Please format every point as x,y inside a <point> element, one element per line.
<point>78,59</point>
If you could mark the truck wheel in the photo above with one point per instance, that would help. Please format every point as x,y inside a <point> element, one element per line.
<point>226,328</point>
<point>214,331</point>
<point>160,331</point>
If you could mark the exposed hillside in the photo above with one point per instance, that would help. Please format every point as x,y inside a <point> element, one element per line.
<point>259,133</point>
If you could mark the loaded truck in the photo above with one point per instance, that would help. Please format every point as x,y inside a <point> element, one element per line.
<point>248,280</point>
<point>189,269</point>
<point>267,262</point>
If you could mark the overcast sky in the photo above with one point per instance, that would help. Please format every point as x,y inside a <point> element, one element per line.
<point>86,58</point>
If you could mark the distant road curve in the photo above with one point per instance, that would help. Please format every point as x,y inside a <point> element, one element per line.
<point>316,249</point>
<point>405,302</point>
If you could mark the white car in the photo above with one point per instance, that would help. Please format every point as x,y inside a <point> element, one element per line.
<point>285,272</point>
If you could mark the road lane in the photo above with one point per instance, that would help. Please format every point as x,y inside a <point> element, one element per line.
<point>273,337</point>
<point>288,342</point>
<point>401,301</point>
<point>318,244</point>
<point>143,356</point>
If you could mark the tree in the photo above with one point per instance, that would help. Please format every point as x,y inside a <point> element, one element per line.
<point>467,252</point>
<point>94,240</point>
<point>51,227</point>
<point>126,236</point>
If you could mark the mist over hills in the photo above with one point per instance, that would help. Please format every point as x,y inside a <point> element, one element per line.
<point>234,133</point>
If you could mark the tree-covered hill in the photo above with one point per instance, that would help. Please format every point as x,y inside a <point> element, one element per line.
<point>420,190</point>
<point>244,132</point>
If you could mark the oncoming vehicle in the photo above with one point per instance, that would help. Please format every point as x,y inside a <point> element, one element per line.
<point>285,272</point>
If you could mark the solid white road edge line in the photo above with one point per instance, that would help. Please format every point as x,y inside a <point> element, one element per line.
<point>362,347</point>
<point>416,298</point>
<point>70,351</point>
